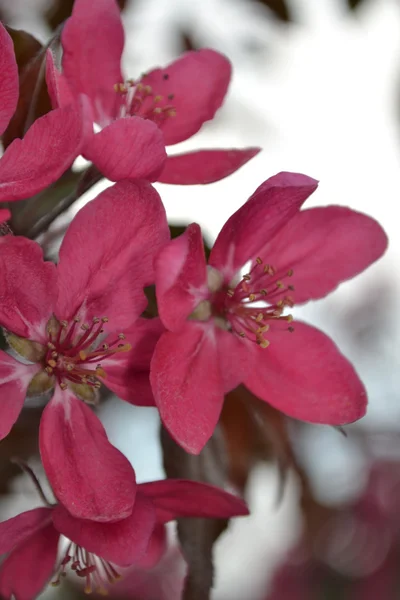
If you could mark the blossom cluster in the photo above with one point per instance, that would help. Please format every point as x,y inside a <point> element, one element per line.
<point>73,326</point>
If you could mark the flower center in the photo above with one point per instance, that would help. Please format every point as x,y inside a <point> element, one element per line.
<point>98,573</point>
<point>136,99</point>
<point>255,303</point>
<point>74,352</point>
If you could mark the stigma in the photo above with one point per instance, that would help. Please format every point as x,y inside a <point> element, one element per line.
<point>250,307</point>
<point>74,351</point>
<point>137,99</point>
<point>96,572</point>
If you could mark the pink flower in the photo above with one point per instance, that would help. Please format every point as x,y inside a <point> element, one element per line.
<point>77,325</point>
<point>165,106</point>
<point>219,324</point>
<point>50,145</point>
<point>96,549</point>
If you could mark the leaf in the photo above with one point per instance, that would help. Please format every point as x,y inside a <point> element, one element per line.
<point>34,100</point>
<point>279,8</point>
<point>197,536</point>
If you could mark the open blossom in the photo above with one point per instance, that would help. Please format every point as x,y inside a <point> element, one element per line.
<point>50,145</point>
<point>139,117</point>
<point>77,325</point>
<point>225,329</point>
<point>96,550</point>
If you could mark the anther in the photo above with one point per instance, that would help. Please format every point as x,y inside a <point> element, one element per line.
<point>64,323</point>
<point>246,277</point>
<point>52,363</point>
<point>121,336</point>
<point>63,385</point>
<point>258,260</point>
<point>230,293</point>
<point>290,273</point>
<point>263,343</point>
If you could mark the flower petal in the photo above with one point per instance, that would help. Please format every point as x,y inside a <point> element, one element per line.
<point>122,543</point>
<point>236,358</point>
<point>156,548</point>
<point>28,287</point>
<point>174,498</point>
<point>9,79</point>
<point>57,84</point>
<point>304,375</point>
<point>26,571</point>
<point>275,202</point>
<point>14,380</point>
<point>106,257</point>
<point>204,166</point>
<point>49,147</point>
<point>127,373</point>
<point>88,475</point>
<point>129,148</point>
<point>187,386</point>
<point>4,215</point>
<point>323,247</point>
<point>92,42</point>
<point>19,528</point>
<point>181,277</point>
<point>198,82</point>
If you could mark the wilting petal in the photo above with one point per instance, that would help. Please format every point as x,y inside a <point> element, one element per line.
<point>127,373</point>
<point>323,247</point>
<point>303,374</point>
<point>175,498</point>
<point>270,207</point>
<point>57,85</point>
<point>236,358</point>
<point>4,215</point>
<point>92,42</point>
<point>187,385</point>
<point>26,571</point>
<point>14,380</point>
<point>28,287</point>
<point>106,257</point>
<point>122,543</point>
<point>198,82</point>
<point>9,79</point>
<point>88,475</point>
<point>181,277</point>
<point>16,530</point>
<point>49,147</point>
<point>129,148</point>
<point>204,166</point>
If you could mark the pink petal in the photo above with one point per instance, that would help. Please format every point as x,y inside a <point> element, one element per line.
<point>53,141</point>
<point>88,475</point>
<point>129,148</point>
<point>156,548</point>
<point>236,358</point>
<point>323,247</point>
<point>187,386</point>
<point>174,498</point>
<point>26,571</point>
<point>304,375</point>
<point>127,373</point>
<point>204,166</point>
<point>28,287</point>
<point>4,215</point>
<point>181,277</point>
<point>122,543</point>
<point>57,84</point>
<point>198,82</point>
<point>275,202</point>
<point>14,380</point>
<point>92,42</point>
<point>9,79</point>
<point>107,278</point>
<point>16,530</point>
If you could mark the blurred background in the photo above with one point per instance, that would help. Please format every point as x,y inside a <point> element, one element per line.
<point>316,84</point>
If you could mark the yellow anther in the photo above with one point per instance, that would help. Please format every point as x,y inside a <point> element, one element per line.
<point>105,346</point>
<point>252,297</point>
<point>82,355</point>
<point>246,277</point>
<point>289,318</point>
<point>263,343</point>
<point>48,370</point>
<point>63,385</point>
<point>158,110</point>
<point>64,323</point>
<point>263,328</point>
<point>52,363</point>
<point>96,320</point>
<point>230,293</point>
<point>100,372</point>
<point>104,319</point>
<point>258,260</point>
<point>242,334</point>
<point>85,326</point>
<point>263,292</point>
<point>290,273</point>
<point>259,317</point>
<point>157,98</point>
<point>50,345</point>
<point>171,112</point>
<point>121,336</point>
